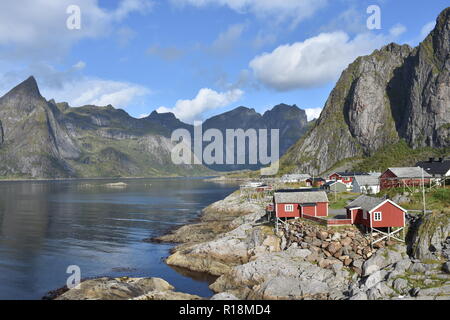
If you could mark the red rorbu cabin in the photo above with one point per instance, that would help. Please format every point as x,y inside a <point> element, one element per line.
<point>296,204</point>
<point>376,213</point>
<point>346,177</point>
<point>404,177</point>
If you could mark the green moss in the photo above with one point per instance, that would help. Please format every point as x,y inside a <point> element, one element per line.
<point>397,155</point>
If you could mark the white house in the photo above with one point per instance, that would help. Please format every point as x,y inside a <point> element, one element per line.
<point>366,184</point>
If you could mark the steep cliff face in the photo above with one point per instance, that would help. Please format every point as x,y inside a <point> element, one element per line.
<point>428,101</point>
<point>395,93</point>
<point>34,142</point>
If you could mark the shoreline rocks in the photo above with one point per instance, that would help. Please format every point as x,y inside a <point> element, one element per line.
<point>125,289</point>
<point>303,261</point>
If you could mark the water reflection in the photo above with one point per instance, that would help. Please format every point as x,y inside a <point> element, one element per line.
<point>47,226</point>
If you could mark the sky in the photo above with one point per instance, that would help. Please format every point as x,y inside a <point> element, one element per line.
<point>198,58</point>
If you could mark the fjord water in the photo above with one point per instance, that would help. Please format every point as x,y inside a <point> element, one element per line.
<point>47,226</point>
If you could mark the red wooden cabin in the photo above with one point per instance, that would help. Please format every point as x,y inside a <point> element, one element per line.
<point>404,177</point>
<point>376,213</point>
<point>345,177</point>
<point>299,203</point>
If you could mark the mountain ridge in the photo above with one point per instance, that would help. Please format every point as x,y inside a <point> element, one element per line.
<point>396,93</point>
<point>49,139</point>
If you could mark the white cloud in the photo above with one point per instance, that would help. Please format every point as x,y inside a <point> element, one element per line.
<point>313,113</point>
<point>99,92</point>
<point>76,89</point>
<point>277,10</point>
<point>426,29</point>
<point>206,99</point>
<point>315,61</point>
<point>37,28</point>
<point>226,41</point>
<point>397,30</point>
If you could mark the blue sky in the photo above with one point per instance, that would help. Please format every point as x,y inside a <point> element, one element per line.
<point>198,58</point>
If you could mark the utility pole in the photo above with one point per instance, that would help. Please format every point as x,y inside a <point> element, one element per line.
<point>423,193</point>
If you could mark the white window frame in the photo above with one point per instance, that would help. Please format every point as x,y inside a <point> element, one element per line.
<point>375,216</point>
<point>289,207</point>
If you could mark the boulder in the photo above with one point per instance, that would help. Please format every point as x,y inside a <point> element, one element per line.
<point>401,285</point>
<point>403,265</point>
<point>359,296</point>
<point>124,289</point>
<point>379,291</point>
<point>224,296</point>
<point>346,241</point>
<point>380,260</point>
<point>373,279</point>
<point>334,247</point>
<point>446,267</point>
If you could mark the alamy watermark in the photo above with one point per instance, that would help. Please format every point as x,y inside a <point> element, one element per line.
<point>211,148</point>
<point>74,280</point>
<point>374,20</point>
<point>73,22</point>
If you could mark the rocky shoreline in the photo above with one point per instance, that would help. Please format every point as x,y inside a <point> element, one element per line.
<point>234,241</point>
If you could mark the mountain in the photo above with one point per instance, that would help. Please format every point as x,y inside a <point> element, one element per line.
<point>396,95</point>
<point>290,120</point>
<point>46,139</point>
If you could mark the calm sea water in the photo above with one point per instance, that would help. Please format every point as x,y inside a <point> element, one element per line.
<point>47,226</point>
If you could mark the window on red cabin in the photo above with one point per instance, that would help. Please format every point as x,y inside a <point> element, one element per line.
<point>289,208</point>
<point>377,216</point>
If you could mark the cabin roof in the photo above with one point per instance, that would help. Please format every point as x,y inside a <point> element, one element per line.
<point>367,180</point>
<point>440,167</point>
<point>409,172</point>
<point>365,202</point>
<point>306,197</point>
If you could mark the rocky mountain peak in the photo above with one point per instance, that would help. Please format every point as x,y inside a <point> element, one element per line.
<point>28,88</point>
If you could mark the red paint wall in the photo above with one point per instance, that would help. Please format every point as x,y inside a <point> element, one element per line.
<point>337,177</point>
<point>391,216</point>
<point>308,211</point>
<point>322,210</point>
<point>281,213</point>
<point>388,183</point>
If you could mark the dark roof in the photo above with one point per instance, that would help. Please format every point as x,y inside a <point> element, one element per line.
<point>435,167</point>
<point>316,179</point>
<point>330,183</point>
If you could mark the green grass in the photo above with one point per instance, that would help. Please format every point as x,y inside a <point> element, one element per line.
<point>341,200</point>
<point>397,155</point>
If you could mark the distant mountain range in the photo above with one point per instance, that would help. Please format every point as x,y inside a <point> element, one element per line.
<point>45,139</point>
<point>394,100</point>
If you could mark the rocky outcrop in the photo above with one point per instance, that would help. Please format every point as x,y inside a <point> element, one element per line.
<point>125,289</point>
<point>391,274</point>
<point>395,93</point>
<point>431,238</point>
<point>282,275</point>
